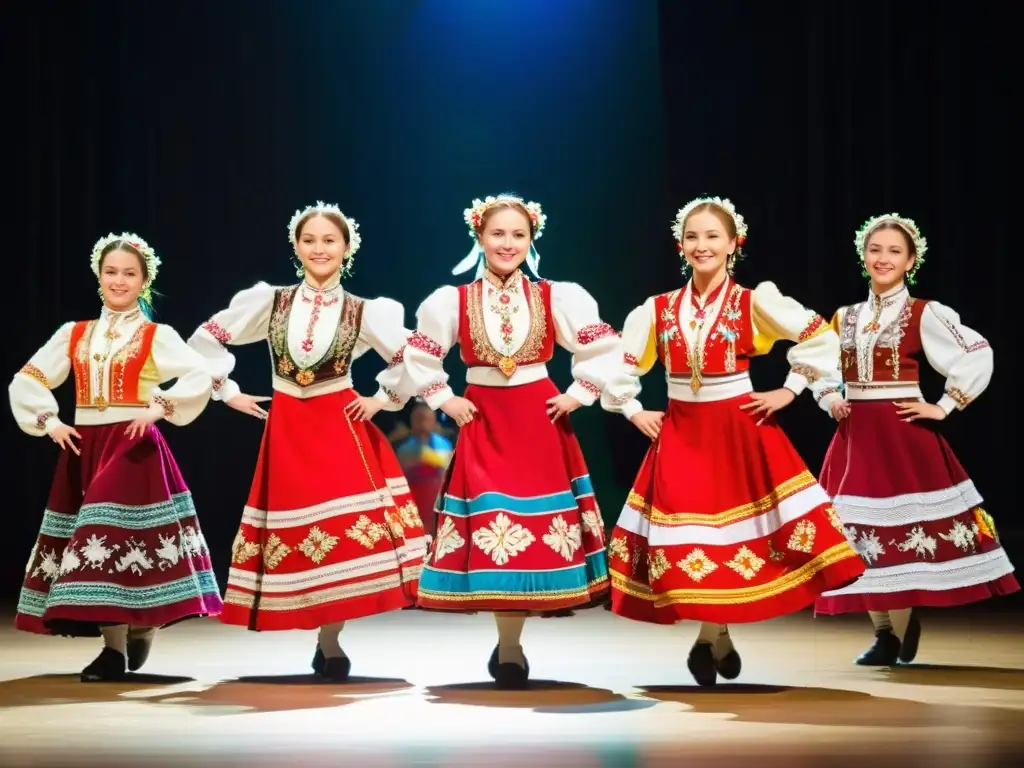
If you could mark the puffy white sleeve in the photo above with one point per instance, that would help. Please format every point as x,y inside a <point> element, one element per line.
<point>957,352</point>
<point>437,330</point>
<point>639,353</point>
<point>246,320</point>
<point>181,403</point>
<point>383,330</point>
<point>814,358</point>
<point>32,401</point>
<point>595,346</point>
<point>831,390</point>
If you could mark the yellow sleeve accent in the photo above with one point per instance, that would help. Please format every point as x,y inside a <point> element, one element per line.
<point>649,357</point>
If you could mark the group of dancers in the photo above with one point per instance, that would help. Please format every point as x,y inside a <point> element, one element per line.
<point>724,523</point>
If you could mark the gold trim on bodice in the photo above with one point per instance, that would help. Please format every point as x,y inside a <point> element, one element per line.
<point>528,351</point>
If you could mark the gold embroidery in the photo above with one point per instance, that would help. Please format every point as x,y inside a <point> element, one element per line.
<point>790,487</point>
<point>120,360</point>
<point>962,400</point>
<point>242,550</point>
<point>617,547</point>
<point>802,539</point>
<point>410,515</point>
<point>274,552</point>
<point>30,370</point>
<point>746,563</point>
<point>482,347</point>
<point>317,544</point>
<point>366,533</point>
<point>83,378</point>
<point>697,565</point>
<point>657,564</point>
<point>809,372</point>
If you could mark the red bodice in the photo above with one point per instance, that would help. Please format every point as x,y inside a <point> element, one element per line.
<point>132,371</point>
<point>475,347</point>
<point>897,352</point>
<point>728,338</point>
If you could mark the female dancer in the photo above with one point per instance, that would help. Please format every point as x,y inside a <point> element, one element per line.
<point>330,531</point>
<point>120,552</point>
<point>724,523</point>
<point>907,505</point>
<point>518,530</point>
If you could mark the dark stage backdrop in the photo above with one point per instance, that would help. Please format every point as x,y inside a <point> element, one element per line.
<point>204,126</point>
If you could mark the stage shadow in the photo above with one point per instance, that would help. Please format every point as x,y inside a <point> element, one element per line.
<point>781,705</point>
<point>50,689</point>
<point>998,678</point>
<point>550,696</point>
<point>287,693</point>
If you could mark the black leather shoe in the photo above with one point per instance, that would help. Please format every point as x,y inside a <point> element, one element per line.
<point>730,665</point>
<point>108,667</point>
<point>883,653</point>
<point>319,660</point>
<point>336,670</point>
<point>138,649</point>
<point>509,676</point>
<point>701,663</point>
<point>911,639</point>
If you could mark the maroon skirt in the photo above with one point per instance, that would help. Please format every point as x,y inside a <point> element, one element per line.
<point>912,513</point>
<point>120,542</point>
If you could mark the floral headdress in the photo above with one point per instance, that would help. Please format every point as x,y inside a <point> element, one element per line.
<point>354,239</point>
<point>474,217</point>
<point>140,245</point>
<point>726,205</point>
<point>860,240</point>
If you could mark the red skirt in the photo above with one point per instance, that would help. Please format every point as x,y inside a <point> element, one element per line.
<point>912,513</point>
<point>330,531</point>
<point>120,542</point>
<point>724,524</point>
<point>517,525</point>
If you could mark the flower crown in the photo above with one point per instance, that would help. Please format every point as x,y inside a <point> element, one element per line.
<point>474,215</point>
<point>140,245</point>
<point>354,239</point>
<point>860,239</point>
<point>725,204</point>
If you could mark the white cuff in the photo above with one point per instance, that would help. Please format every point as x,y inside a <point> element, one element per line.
<point>947,404</point>
<point>439,398</point>
<point>390,400</point>
<point>826,402</point>
<point>51,424</point>
<point>795,383</point>
<point>631,409</point>
<point>229,390</point>
<point>578,392</point>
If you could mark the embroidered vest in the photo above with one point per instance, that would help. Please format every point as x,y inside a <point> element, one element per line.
<point>897,351</point>
<point>133,373</point>
<point>335,362</point>
<point>727,341</point>
<point>475,347</point>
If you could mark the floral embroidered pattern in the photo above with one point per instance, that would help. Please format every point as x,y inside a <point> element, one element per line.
<point>167,404</point>
<point>825,393</point>
<point>809,372</point>
<point>218,384</point>
<point>812,329</point>
<point>957,336</point>
<point>565,539</point>
<point>629,359</point>
<point>433,389</point>
<point>919,542</point>
<point>802,538</point>
<point>30,370</point>
<point>42,418</point>
<point>317,544</point>
<point>697,565</point>
<point>618,547</point>
<point>397,358</point>
<point>242,550</point>
<point>392,396</point>
<point>961,400</point>
<point>214,329</point>
<point>746,563</point>
<point>961,536</point>
<point>590,387</point>
<point>424,343</point>
<point>531,347</point>
<point>588,334</point>
<point>366,532</point>
<point>274,552</point>
<point>657,564</point>
<point>502,539</point>
<point>448,540</point>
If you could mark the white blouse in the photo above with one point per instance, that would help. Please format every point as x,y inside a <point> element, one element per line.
<point>957,352</point>
<point>35,407</point>
<point>813,358</point>
<point>594,345</point>
<point>312,326</point>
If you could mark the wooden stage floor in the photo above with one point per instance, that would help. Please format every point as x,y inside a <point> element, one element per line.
<point>608,693</point>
